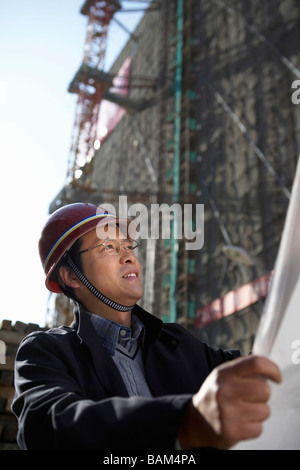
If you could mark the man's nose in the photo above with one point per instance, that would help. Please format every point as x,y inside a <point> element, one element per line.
<point>126,256</point>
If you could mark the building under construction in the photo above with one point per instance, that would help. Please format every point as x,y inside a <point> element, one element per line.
<point>197,109</point>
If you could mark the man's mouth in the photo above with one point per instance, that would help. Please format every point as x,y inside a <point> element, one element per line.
<point>129,275</point>
<point>133,275</point>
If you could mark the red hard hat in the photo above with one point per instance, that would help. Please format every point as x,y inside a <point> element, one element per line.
<point>63,228</point>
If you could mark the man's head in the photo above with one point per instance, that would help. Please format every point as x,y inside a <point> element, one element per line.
<point>76,261</point>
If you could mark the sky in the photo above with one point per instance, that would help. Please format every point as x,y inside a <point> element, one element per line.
<point>41,48</point>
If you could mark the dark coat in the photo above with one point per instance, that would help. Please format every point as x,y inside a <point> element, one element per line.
<point>70,394</point>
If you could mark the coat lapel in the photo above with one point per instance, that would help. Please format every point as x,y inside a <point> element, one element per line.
<point>158,352</point>
<point>106,370</point>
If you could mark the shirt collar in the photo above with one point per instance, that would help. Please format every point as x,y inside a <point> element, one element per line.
<point>112,333</point>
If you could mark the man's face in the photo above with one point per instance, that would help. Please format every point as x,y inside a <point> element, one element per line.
<point>118,277</point>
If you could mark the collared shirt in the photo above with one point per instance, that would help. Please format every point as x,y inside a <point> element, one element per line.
<point>112,333</point>
<point>124,344</point>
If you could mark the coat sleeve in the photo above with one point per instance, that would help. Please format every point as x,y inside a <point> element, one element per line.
<point>53,413</point>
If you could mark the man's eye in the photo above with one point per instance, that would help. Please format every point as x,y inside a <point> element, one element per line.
<point>110,247</point>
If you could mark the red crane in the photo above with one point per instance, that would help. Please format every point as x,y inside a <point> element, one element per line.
<point>89,83</point>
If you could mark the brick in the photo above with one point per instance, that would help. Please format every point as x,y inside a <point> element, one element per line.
<point>5,325</point>
<point>8,420</point>
<point>9,427</point>
<point>32,327</point>
<point>6,397</point>
<point>6,377</point>
<point>8,446</point>
<point>3,402</point>
<point>9,365</point>
<point>12,337</point>
<point>19,326</point>
<point>11,349</point>
<point>6,392</point>
<point>9,433</point>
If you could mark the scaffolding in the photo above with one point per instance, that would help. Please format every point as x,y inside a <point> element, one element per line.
<point>179,275</point>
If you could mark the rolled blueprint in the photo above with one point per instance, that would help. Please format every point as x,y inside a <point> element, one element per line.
<point>278,337</point>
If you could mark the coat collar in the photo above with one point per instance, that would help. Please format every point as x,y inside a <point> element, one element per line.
<point>153,325</point>
<point>105,367</point>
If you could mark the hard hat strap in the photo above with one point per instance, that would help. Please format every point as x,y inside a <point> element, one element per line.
<point>99,295</point>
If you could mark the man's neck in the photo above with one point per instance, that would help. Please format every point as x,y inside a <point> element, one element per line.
<point>103,310</point>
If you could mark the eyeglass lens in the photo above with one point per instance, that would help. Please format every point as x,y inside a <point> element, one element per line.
<point>114,246</point>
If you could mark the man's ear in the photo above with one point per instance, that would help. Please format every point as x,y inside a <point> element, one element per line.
<point>68,277</point>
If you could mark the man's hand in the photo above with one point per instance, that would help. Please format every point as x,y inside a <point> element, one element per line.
<point>231,405</point>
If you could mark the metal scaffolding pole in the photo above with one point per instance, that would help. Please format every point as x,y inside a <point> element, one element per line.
<point>176,164</point>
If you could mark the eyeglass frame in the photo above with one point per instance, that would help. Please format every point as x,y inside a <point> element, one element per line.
<point>113,240</point>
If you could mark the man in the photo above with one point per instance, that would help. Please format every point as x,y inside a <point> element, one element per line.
<point>118,378</point>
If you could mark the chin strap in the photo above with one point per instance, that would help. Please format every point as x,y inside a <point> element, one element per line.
<point>99,295</point>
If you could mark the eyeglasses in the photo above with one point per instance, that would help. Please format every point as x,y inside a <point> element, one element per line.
<point>113,247</point>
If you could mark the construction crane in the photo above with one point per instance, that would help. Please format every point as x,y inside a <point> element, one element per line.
<point>90,84</point>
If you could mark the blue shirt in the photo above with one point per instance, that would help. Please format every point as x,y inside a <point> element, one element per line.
<point>124,344</point>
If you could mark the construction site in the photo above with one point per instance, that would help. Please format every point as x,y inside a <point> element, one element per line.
<point>196,109</point>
